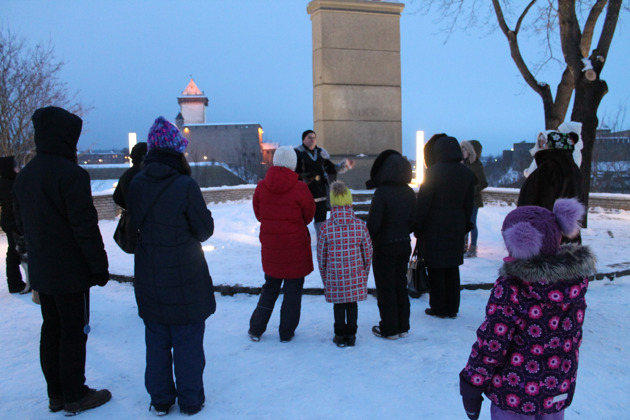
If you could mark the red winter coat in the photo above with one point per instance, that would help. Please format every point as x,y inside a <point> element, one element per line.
<point>344,254</point>
<point>284,206</point>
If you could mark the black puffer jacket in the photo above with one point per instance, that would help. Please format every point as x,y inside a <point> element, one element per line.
<point>172,282</point>
<point>56,212</point>
<point>391,216</point>
<point>444,206</point>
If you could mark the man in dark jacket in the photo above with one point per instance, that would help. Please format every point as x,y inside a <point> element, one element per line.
<point>317,171</point>
<point>55,211</point>
<point>444,209</point>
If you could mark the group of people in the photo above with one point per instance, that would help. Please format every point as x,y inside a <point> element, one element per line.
<point>525,358</point>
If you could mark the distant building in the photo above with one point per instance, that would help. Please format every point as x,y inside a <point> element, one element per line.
<point>611,147</point>
<point>99,157</point>
<point>238,145</point>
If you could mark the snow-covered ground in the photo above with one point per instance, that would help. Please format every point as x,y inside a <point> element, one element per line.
<point>310,378</point>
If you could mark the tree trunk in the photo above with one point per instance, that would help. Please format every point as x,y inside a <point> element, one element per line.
<point>588,96</point>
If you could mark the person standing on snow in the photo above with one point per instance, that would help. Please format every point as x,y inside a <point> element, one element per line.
<point>317,171</point>
<point>284,207</point>
<point>443,213</point>
<point>472,159</point>
<point>390,222</point>
<point>9,168</point>
<point>526,355</point>
<point>344,255</point>
<point>173,287</point>
<point>66,255</point>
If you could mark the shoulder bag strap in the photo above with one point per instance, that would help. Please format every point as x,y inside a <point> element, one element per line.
<point>155,201</point>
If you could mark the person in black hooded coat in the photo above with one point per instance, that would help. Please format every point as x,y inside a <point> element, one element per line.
<point>8,172</point>
<point>444,209</point>
<point>172,283</point>
<point>390,222</point>
<point>66,255</point>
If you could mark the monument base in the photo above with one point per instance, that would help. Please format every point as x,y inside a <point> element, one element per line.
<point>355,179</point>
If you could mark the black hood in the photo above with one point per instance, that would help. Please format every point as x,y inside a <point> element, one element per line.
<point>57,131</point>
<point>447,149</point>
<point>390,167</point>
<point>138,153</point>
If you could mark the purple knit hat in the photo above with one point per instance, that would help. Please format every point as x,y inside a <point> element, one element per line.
<point>530,231</point>
<point>164,135</point>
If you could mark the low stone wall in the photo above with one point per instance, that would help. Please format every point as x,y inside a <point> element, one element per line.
<point>107,209</point>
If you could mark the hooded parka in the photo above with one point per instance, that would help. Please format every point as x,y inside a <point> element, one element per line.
<point>55,210</point>
<point>284,207</point>
<point>444,206</point>
<point>526,355</point>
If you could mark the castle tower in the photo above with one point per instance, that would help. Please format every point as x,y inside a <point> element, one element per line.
<point>193,104</point>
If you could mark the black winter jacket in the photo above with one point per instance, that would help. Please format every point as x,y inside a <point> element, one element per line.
<point>556,176</point>
<point>55,211</point>
<point>7,178</point>
<point>316,169</point>
<point>391,216</point>
<point>172,282</point>
<point>444,206</point>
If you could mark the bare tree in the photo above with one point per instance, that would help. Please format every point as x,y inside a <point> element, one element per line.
<point>29,79</point>
<point>583,66</point>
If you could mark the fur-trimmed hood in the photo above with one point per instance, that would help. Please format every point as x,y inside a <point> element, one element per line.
<point>570,262</point>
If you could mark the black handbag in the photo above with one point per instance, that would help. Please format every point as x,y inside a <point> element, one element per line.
<point>417,276</point>
<point>125,235</point>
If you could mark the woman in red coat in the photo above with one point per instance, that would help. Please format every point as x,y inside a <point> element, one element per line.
<point>284,206</point>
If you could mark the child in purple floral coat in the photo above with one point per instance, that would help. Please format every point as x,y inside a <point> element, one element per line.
<point>525,358</point>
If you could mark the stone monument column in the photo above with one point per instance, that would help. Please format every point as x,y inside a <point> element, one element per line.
<point>356,81</point>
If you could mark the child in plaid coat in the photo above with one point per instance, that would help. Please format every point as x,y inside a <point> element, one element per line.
<point>344,254</point>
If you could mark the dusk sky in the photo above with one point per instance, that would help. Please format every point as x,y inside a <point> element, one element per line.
<point>131,59</point>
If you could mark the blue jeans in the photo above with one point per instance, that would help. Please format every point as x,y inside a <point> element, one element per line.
<point>289,312</point>
<point>474,233</point>
<point>181,346</point>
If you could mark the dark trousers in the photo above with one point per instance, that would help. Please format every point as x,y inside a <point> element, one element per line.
<point>14,277</point>
<point>62,344</point>
<point>444,295</point>
<point>180,346</point>
<point>289,312</point>
<point>390,275</point>
<point>346,315</point>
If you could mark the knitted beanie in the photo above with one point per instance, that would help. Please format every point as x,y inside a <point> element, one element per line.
<point>530,231</point>
<point>164,135</point>
<point>340,195</point>
<point>286,157</point>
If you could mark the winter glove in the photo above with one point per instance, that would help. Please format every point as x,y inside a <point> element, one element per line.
<point>100,279</point>
<point>471,397</point>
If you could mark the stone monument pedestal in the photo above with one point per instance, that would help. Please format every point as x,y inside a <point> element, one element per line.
<point>356,81</point>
